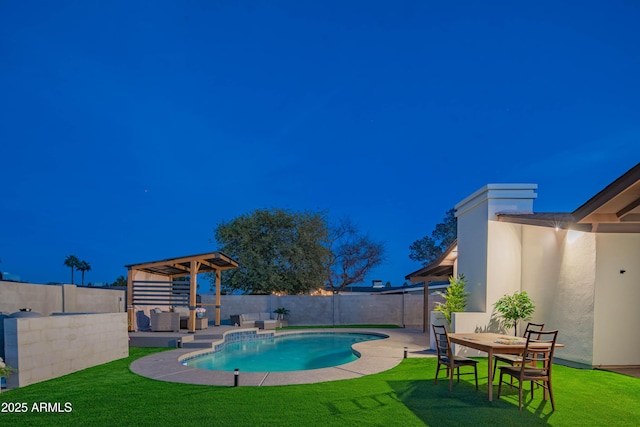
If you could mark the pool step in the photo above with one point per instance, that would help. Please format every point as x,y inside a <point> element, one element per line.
<point>208,336</point>
<point>198,344</point>
<point>202,341</point>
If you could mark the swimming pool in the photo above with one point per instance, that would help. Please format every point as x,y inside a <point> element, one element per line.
<point>290,352</point>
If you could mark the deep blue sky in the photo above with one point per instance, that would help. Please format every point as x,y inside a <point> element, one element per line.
<point>130,129</point>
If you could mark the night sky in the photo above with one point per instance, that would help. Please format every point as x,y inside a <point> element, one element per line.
<point>130,129</point>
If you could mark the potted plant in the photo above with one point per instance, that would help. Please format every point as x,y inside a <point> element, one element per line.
<point>513,308</point>
<point>281,313</point>
<point>5,371</point>
<point>455,299</point>
<point>200,311</point>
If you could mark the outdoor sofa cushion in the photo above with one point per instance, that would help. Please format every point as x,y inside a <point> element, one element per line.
<point>249,319</point>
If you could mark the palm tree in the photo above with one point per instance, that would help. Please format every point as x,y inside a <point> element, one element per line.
<point>72,262</point>
<point>83,266</point>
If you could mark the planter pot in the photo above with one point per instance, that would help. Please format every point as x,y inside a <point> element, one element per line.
<point>199,315</point>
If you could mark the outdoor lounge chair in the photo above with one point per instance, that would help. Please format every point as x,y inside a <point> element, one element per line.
<point>164,321</point>
<point>514,359</point>
<point>446,357</point>
<point>536,365</point>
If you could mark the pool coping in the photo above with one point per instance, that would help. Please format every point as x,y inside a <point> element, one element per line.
<point>375,356</point>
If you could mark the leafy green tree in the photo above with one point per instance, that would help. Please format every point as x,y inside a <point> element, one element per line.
<point>513,308</point>
<point>455,298</point>
<point>429,248</point>
<point>72,262</point>
<point>120,281</point>
<point>351,255</point>
<point>278,251</point>
<point>83,266</point>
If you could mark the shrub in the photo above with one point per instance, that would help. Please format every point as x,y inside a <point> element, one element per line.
<point>455,299</point>
<point>513,308</point>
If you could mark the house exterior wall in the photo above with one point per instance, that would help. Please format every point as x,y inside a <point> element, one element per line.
<point>558,273</point>
<point>480,257</point>
<point>504,264</point>
<point>472,255</point>
<point>575,282</point>
<point>616,314</point>
<point>574,278</point>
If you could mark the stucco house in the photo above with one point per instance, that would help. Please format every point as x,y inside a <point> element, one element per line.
<point>582,269</point>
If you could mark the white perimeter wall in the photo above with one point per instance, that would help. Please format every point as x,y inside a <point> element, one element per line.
<point>47,299</point>
<point>329,310</point>
<point>617,297</point>
<point>42,348</point>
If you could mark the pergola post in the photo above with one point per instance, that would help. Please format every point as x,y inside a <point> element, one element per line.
<point>217,272</point>
<point>130,312</point>
<point>193,285</point>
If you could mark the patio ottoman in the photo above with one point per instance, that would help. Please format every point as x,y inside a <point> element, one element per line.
<point>266,324</point>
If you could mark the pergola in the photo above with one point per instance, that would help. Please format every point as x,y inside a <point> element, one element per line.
<point>172,292</point>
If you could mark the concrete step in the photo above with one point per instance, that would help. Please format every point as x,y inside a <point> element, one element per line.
<point>207,336</point>
<point>199,343</point>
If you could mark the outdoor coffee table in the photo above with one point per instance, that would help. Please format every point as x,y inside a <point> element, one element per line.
<point>201,322</point>
<point>266,324</point>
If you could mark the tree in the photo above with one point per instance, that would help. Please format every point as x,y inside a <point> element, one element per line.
<point>72,262</point>
<point>278,251</point>
<point>513,308</point>
<point>455,299</point>
<point>83,266</point>
<point>352,255</point>
<point>429,248</point>
<point>120,281</point>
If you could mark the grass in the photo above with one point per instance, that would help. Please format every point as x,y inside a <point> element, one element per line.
<point>111,395</point>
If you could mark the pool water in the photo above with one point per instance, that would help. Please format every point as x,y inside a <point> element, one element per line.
<point>284,353</point>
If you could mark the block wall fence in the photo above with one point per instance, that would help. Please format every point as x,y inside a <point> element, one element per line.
<point>41,348</point>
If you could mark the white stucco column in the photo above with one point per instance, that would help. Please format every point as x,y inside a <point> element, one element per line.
<point>488,256</point>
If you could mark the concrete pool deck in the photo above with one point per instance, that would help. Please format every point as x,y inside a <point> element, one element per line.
<point>376,356</point>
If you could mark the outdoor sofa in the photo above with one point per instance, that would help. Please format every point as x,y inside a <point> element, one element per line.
<point>261,320</point>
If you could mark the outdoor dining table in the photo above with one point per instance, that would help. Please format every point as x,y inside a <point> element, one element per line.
<point>491,343</point>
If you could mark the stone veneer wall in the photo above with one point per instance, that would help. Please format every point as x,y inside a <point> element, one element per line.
<point>42,348</point>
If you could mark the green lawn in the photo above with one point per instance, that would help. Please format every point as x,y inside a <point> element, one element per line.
<point>111,395</point>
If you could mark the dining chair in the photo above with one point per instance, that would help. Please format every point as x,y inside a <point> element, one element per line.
<point>536,365</point>
<point>514,359</point>
<point>448,359</point>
